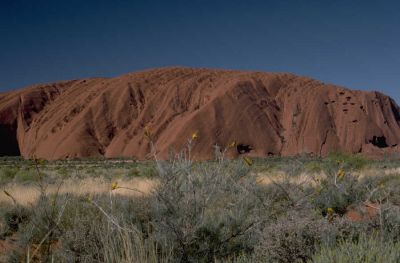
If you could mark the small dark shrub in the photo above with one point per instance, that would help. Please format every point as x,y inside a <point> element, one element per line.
<point>7,174</point>
<point>294,237</point>
<point>13,217</point>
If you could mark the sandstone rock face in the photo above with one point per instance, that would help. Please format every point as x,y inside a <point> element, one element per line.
<point>271,113</point>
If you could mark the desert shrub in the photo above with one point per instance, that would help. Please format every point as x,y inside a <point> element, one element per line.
<point>144,170</point>
<point>123,232</point>
<point>148,171</point>
<point>382,191</point>
<point>91,171</point>
<point>265,165</point>
<point>7,174</point>
<point>294,237</point>
<point>242,258</point>
<point>297,235</point>
<point>74,229</point>
<point>388,220</point>
<point>338,194</point>
<point>63,172</point>
<point>81,225</point>
<point>26,175</point>
<point>292,167</point>
<point>364,250</point>
<point>314,167</point>
<point>133,172</point>
<point>131,246</point>
<point>285,194</point>
<point>12,217</point>
<point>388,161</point>
<point>384,187</point>
<point>43,230</point>
<point>205,213</point>
<point>349,162</point>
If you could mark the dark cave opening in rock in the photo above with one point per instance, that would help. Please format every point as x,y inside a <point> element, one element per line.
<point>9,144</point>
<point>243,148</point>
<point>379,141</point>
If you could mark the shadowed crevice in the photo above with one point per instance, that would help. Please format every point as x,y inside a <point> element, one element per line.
<point>395,110</point>
<point>8,142</point>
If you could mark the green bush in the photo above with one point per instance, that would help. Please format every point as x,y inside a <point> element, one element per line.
<point>314,167</point>
<point>12,217</point>
<point>148,171</point>
<point>206,213</point>
<point>82,226</point>
<point>144,170</point>
<point>349,162</point>
<point>7,174</point>
<point>134,172</point>
<point>365,250</point>
<point>338,196</point>
<point>389,222</point>
<point>294,237</point>
<point>28,175</point>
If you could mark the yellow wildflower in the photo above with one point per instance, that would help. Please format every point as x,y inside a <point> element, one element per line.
<point>39,161</point>
<point>232,144</point>
<point>341,174</point>
<point>248,161</point>
<point>114,186</point>
<point>195,136</point>
<point>330,211</point>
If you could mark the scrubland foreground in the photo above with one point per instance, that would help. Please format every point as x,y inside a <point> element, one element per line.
<point>339,209</point>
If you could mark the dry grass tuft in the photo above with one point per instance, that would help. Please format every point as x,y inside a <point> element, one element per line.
<point>29,194</point>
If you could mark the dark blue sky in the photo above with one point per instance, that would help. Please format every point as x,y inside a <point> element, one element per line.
<point>350,43</point>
